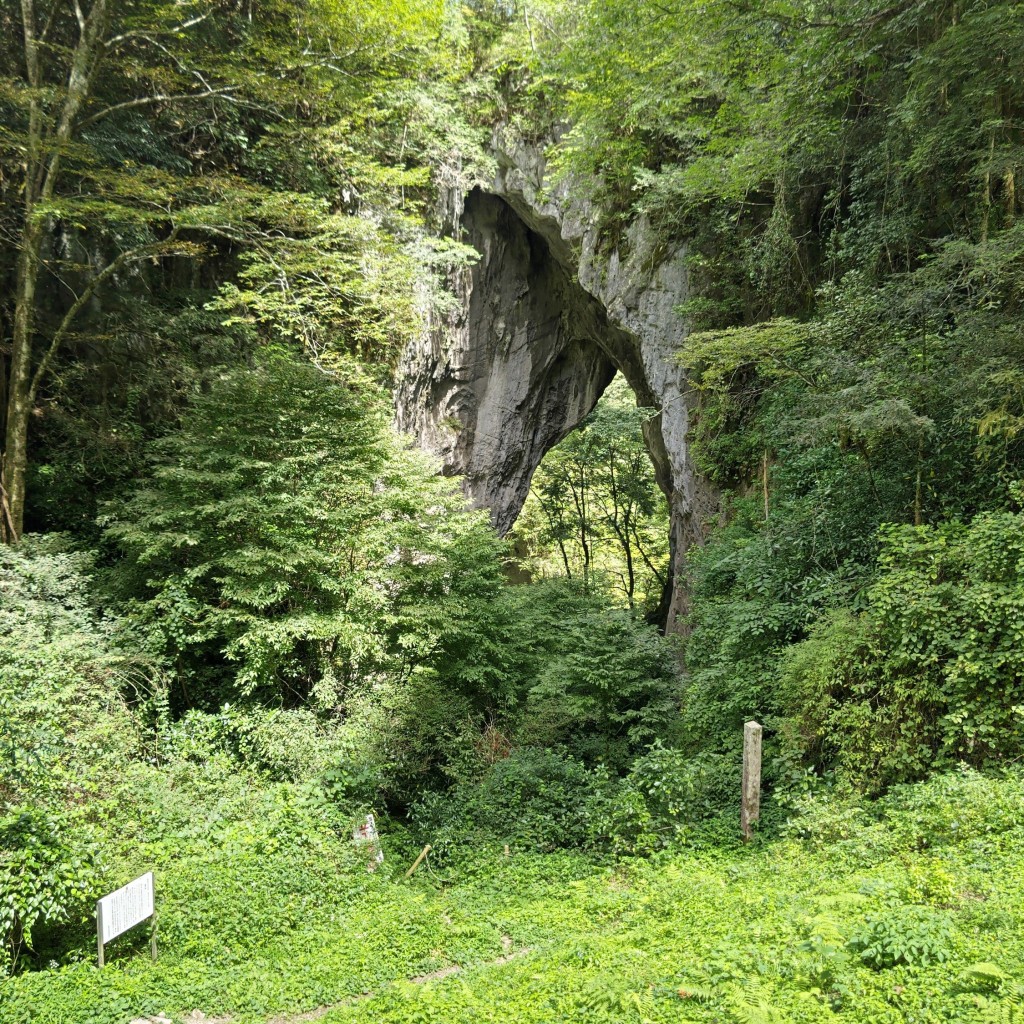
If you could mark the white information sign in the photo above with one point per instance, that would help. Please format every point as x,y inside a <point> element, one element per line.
<point>366,836</point>
<point>124,909</point>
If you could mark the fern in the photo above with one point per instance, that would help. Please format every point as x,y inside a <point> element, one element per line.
<point>751,1006</point>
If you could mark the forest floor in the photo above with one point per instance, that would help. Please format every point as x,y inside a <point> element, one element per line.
<point>915,913</point>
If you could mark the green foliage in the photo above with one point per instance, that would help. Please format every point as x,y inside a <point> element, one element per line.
<point>570,671</point>
<point>925,675</point>
<point>48,874</point>
<point>666,799</point>
<point>845,178</point>
<point>65,731</point>
<point>275,159</point>
<point>532,799</point>
<point>266,908</point>
<point>611,685</point>
<point>595,512</point>
<point>318,553</point>
<point>929,676</point>
<point>157,350</point>
<point>880,411</point>
<point>324,625</point>
<point>916,936</point>
<point>795,131</point>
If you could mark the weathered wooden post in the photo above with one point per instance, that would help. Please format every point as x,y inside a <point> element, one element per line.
<point>419,860</point>
<point>750,809</point>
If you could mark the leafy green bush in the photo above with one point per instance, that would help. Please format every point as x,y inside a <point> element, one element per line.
<point>576,673</point>
<point>287,545</point>
<point>932,673</point>
<point>285,745</point>
<point>48,874</point>
<point>610,686</point>
<point>665,797</point>
<point>66,733</point>
<point>915,936</point>
<point>534,799</point>
<point>951,807</point>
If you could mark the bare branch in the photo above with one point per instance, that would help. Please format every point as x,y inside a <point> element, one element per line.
<point>145,101</point>
<point>28,21</point>
<point>44,32</point>
<point>128,256</point>
<point>83,63</point>
<point>144,34</point>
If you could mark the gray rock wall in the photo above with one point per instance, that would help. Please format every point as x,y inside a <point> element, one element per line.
<point>545,319</point>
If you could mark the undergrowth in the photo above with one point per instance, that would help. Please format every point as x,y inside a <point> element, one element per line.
<point>908,908</point>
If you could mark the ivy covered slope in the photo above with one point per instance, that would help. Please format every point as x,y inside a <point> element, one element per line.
<point>239,612</point>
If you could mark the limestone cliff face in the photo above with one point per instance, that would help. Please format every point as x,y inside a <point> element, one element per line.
<point>546,317</point>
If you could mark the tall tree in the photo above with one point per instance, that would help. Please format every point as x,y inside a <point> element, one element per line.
<point>126,123</point>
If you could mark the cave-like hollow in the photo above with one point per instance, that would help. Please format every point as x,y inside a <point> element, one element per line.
<point>521,362</point>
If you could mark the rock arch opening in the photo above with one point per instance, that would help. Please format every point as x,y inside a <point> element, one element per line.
<point>595,513</point>
<point>542,325</point>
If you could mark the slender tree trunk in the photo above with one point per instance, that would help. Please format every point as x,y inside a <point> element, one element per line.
<point>19,384</point>
<point>764,482</point>
<point>42,168</point>
<point>556,528</point>
<point>621,530</point>
<point>986,194</point>
<point>918,497</point>
<point>580,501</point>
<point>630,570</point>
<point>659,577</point>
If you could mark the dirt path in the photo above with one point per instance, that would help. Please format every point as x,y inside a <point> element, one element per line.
<point>198,1017</point>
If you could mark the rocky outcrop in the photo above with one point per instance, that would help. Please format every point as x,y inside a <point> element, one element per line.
<point>544,320</point>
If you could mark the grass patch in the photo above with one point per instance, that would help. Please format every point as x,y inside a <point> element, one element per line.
<point>907,909</point>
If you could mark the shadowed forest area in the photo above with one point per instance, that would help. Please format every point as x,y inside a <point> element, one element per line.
<point>240,611</point>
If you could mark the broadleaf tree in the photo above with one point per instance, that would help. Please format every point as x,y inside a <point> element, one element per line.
<point>137,132</point>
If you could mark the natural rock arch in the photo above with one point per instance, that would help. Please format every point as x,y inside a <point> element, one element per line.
<point>545,318</point>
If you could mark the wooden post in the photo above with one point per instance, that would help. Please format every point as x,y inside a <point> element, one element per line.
<point>419,860</point>
<point>152,937</point>
<point>750,809</point>
<point>99,933</point>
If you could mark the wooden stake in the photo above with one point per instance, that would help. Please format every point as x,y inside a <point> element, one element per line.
<point>418,861</point>
<point>750,809</point>
<point>99,933</point>
<point>764,481</point>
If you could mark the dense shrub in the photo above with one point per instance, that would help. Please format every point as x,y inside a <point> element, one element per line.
<point>916,936</point>
<point>609,686</point>
<point>918,668</point>
<point>66,732</point>
<point>597,680</point>
<point>534,799</point>
<point>932,672</point>
<point>287,545</point>
<point>667,797</point>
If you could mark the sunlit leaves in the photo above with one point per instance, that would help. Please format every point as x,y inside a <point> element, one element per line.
<point>287,544</point>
